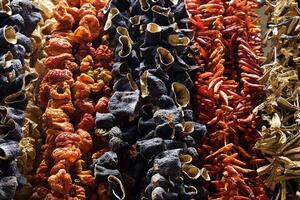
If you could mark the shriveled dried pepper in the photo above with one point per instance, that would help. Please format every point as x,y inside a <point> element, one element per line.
<point>228,47</point>
<point>75,78</point>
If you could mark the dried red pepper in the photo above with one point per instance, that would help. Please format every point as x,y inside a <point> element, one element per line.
<point>75,86</point>
<point>228,47</point>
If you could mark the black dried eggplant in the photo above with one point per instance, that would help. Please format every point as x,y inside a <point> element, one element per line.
<point>102,173</point>
<point>149,148</point>
<point>105,166</point>
<point>108,159</point>
<point>29,12</point>
<point>151,101</point>
<point>15,21</point>
<point>9,150</point>
<point>8,187</point>
<point>18,19</point>
<point>24,41</point>
<point>105,120</point>
<point>124,104</point>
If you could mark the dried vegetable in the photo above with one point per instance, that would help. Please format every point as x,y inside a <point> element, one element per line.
<point>228,47</point>
<point>151,130</point>
<point>18,19</point>
<point>75,86</point>
<point>96,100</point>
<point>280,110</point>
<point>32,127</point>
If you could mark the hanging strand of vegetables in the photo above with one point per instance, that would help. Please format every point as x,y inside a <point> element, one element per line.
<point>228,47</point>
<point>32,128</point>
<point>77,76</point>
<point>280,110</point>
<point>18,19</point>
<point>151,129</point>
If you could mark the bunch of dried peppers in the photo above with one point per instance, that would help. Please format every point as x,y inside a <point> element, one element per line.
<point>228,47</point>
<point>280,110</point>
<point>75,86</point>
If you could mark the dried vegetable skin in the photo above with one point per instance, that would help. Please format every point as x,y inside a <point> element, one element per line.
<point>75,84</point>
<point>228,46</point>
<point>17,79</point>
<point>150,128</point>
<point>279,142</point>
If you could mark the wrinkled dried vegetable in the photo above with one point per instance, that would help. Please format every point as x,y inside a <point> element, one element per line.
<point>151,130</point>
<point>18,19</point>
<point>149,99</point>
<point>74,87</point>
<point>228,47</point>
<point>32,128</point>
<point>280,110</point>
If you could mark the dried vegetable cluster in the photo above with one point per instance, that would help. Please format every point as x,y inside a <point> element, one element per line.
<point>18,20</point>
<point>280,110</point>
<point>228,47</point>
<point>32,127</point>
<point>75,86</point>
<point>95,100</point>
<point>152,133</point>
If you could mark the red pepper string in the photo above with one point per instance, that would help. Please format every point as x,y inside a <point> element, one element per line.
<point>77,71</point>
<point>228,40</point>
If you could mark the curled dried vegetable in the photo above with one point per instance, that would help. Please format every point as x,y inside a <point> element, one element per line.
<point>151,130</point>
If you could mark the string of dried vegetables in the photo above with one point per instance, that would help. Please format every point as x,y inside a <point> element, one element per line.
<point>151,130</point>
<point>77,76</point>
<point>228,47</point>
<point>18,20</point>
<point>280,110</point>
<point>32,128</point>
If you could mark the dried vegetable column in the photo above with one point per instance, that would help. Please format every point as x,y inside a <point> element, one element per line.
<point>77,76</point>
<point>280,110</point>
<point>18,19</point>
<point>151,130</point>
<point>228,47</point>
<point>32,128</point>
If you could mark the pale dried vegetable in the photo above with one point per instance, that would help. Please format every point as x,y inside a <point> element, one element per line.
<point>280,111</point>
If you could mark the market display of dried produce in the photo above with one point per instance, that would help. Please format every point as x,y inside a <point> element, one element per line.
<point>18,19</point>
<point>228,47</point>
<point>76,80</point>
<point>280,110</point>
<point>149,99</point>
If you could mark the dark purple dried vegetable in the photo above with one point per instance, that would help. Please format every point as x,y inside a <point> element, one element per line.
<point>151,101</point>
<point>8,187</point>
<point>18,19</point>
